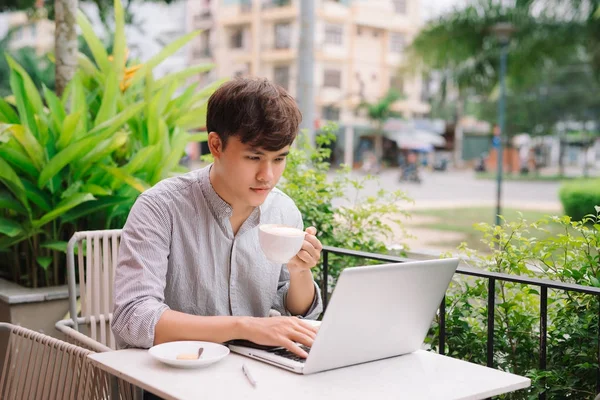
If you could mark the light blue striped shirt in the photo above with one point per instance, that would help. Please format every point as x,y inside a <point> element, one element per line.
<point>178,252</point>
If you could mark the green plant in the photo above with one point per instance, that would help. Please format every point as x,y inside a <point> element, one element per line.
<point>571,257</point>
<point>579,197</point>
<point>358,223</point>
<point>78,162</point>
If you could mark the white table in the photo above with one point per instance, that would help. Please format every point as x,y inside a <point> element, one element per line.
<point>420,375</point>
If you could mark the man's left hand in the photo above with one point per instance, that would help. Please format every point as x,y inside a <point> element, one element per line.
<point>309,254</point>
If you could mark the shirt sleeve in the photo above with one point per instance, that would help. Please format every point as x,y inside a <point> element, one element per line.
<point>316,308</point>
<point>140,276</point>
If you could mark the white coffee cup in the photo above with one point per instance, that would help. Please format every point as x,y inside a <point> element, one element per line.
<point>280,243</point>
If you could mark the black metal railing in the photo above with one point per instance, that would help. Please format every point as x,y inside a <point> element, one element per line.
<point>492,277</point>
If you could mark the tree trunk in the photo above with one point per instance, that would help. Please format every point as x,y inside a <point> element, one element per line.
<point>65,42</point>
<point>379,147</point>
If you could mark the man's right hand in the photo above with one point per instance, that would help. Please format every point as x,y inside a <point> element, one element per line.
<point>280,331</point>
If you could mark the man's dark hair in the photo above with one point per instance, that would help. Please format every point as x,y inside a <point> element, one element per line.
<point>255,110</point>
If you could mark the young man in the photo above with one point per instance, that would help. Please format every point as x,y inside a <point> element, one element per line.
<point>190,264</point>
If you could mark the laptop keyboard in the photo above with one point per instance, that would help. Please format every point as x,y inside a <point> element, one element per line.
<point>288,354</point>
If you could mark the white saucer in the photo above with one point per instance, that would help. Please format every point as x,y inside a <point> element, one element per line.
<point>168,352</point>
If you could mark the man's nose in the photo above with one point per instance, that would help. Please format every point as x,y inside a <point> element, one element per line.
<point>265,173</point>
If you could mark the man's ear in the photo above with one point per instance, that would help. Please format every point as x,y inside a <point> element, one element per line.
<point>215,144</point>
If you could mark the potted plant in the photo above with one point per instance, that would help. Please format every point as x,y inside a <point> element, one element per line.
<point>78,161</point>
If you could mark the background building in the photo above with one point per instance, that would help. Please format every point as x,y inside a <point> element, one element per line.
<point>359,47</point>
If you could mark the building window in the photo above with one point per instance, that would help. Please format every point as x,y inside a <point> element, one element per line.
<point>332,78</point>
<point>237,39</point>
<point>397,84</point>
<point>281,76</point>
<point>283,36</point>
<point>397,42</point>
<point>331,113</point>
<point>334,34</point>
<point>400,6</point>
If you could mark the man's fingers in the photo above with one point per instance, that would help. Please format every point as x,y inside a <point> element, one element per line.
<point>308,326</point>
<point>304,256</point>
<point>315,243</point>
<point>313,252</point>
<point>311,230</point>
<point>294,348</point>
<point>308,332</point>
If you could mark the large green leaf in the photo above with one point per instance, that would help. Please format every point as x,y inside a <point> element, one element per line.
<point>12,182</point>
<point>108,107</point>
<point>93,42</point>
<point>57,111</point>
<point>7,113</point>
<point>18,160</point>
<point>70,124</point>
<point>9,227</point>
<point>8,202</point>
<point>116,122</point>
<point>184,75</point>
<point>62,207</point>
<point>166,52</point>
<point>96,190</point>
<point>33,95</point>
<point>44,261</point>
<point>123,176</point>
<point>140,159</point>
<point>37,196</point>
<point>119,40</point>
<point>193,119</point>
<point>30,144</point>
<point>92,207</point>
<point>153,123</point>
<point>102,150</point>
<point>57,245</point>
<point>88,66</point>
<point>180,140</point>
<point>26,112</point>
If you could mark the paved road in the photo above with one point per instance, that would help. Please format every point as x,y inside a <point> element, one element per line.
<point>461,188</point>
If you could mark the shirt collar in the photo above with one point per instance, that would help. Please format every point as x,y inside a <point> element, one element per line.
<point>220,208</point>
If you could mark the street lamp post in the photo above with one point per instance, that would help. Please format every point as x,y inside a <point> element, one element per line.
<point>503,31</point>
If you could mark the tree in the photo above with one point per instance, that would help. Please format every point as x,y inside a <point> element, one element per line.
<point>65,42</point>
<point>462,43</point>
<point>379,112</point>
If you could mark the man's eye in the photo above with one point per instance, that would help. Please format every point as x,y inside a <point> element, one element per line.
<point>253,158</point>
<point>280,159</point>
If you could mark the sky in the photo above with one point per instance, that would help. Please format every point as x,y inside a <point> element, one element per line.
<point>433,8</point>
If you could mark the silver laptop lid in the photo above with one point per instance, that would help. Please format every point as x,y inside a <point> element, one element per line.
<point>379,311</point>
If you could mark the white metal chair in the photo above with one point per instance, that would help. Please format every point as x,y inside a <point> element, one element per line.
<point>38,366</point>
<point>97,253</point>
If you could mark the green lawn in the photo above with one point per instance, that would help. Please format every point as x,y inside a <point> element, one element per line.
<point>462,220</point>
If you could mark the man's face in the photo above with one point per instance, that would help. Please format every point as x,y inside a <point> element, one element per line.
<point>247,174</point>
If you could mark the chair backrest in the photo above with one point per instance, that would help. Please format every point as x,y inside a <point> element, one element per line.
<point>95,264</point>
<point>37,366</point>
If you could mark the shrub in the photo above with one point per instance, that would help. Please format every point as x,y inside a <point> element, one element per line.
<point>579,197</point>
<point>357,222</point>
<point>79,162</point>
<point>572,339</point>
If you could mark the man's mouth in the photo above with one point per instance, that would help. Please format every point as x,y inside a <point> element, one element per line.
<point>261,189</point>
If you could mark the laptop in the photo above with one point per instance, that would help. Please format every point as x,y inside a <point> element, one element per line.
<point>375,312</point>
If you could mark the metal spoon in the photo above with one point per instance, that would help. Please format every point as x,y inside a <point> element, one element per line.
<point>200,350</point>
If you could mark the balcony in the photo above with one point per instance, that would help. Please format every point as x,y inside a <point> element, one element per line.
<point>203,20</point>
<point>278,10</point>
<point>276,4</point>
<point>240,14</point>
<point>201,53</point>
